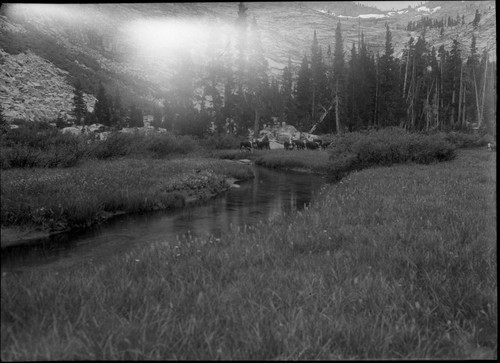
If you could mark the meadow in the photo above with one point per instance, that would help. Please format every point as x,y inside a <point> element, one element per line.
<point>388,263</point>
<point>55,199</point>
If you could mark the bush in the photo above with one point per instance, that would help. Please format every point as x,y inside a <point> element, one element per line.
<point>139,144</point>
<point>116,145</point>
<point>461,139</point>
<point>221,142</point>
<point>357,150</point>
<point>37,144</point>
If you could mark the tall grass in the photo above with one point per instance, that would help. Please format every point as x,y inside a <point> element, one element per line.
<point>389,263</point>
<point>55,199</point>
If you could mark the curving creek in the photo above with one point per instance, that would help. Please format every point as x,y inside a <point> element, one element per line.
<point>270,194</point>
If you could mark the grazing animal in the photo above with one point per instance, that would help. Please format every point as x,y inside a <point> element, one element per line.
<point>247,145</point>
<point>299,144</point>
<point>263,144</point>
<point>492,146</point>
<point>288,145</point>
<point>311,145</point>
<point>325,144</point>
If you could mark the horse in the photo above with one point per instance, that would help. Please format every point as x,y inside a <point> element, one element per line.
<point>325,144</point>
<point>299,144</point>
<point>311,145</point>
<point>247,145</point>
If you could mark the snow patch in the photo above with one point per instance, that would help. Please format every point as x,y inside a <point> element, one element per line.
<point>377,16</point>
<point>433,10</point>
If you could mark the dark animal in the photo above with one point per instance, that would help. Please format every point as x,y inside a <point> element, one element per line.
<point>247,145</point>
<point>325,144</point>
<point>311,145</point>
<point>318,141</point>
<point>263,144</point>
<point>288,145</point>
<point>299,144</point>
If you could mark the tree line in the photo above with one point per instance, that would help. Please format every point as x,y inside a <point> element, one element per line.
<point>331,91</point>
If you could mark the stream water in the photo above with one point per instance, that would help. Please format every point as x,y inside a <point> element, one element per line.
<point>268,195</point>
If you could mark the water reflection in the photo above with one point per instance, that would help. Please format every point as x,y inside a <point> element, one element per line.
<point>266,197</point>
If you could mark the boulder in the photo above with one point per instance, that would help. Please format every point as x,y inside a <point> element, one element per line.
<point>71,130</point>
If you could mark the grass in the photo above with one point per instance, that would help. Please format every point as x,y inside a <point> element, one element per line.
<point>388,263</point>
<point>56,199</point>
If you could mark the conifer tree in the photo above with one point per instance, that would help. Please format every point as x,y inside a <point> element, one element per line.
<point>318,74</point>
<point>303,94</point>
<point>102,112</point>
<point>79,106</point>
<point>117,110</point>
<point>477,19</point>
<point>135,117</point>
<point>289,108</point>
<point>338,79</point>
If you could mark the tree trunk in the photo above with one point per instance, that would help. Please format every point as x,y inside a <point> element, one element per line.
<point>256,122</point>
<point>484,88</point>
<point>337,111</point>
<point>321,118</point>
<point>477,100</point>
<point>460,96</point>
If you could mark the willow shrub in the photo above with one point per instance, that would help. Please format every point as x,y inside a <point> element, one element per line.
<point>358,150</point>
<point>138,144</point>
<point>38,144</point>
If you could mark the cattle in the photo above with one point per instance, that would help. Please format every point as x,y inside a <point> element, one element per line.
<point>299,144</point>
<point>288,145</point>
<point>311,145</point>
<point>247,145</point>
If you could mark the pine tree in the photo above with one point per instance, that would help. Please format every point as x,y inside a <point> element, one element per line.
<point>117,110</point>
<point>338,78</point>
<point>303,94</point>
<point>79,106</point>
<point>135,117</point>
<point>318,77</point>
<point>477,19</point>
<point>257,79</point>
<point>389,95</point>
<point>289,108</point>
<point>102,112</point>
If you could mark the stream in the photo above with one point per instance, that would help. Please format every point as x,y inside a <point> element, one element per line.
<point>270,194</point>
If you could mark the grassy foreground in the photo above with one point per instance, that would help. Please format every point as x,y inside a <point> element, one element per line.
<point>395,262</point>
<point>56,199</point>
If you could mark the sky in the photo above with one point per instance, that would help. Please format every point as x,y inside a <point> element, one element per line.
<point>388,5</point>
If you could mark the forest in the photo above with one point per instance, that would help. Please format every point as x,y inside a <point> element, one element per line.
<point>332,91</point>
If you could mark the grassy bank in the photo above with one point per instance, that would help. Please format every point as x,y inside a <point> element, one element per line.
<point>395,262</point>
<point>53,199</point>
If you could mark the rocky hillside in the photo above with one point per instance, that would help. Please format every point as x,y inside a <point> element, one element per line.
<point>45,47</point>
<point>33,88</point>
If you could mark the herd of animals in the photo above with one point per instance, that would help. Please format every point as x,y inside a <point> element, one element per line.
<point>288,145</point>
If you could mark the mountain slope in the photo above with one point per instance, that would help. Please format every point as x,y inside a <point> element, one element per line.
<point>107,42</point>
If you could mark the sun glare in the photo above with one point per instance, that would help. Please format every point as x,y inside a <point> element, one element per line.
<point>62,12</point>
<point>160,35</point>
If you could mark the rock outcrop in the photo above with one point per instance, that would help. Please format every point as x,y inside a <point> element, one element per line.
<point>32,88</point>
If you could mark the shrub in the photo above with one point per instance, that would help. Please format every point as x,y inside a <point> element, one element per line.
<point>221,141</point>
<point>116,145</point>
<point>358,150</point>
<point>461,139</point>
<point>39,145</point>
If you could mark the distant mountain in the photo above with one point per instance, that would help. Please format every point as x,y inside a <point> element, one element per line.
<point>103,42</point>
